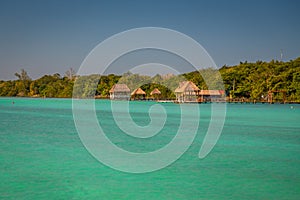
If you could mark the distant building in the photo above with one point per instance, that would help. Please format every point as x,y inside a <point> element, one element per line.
<point>187,91</point>
<point>138,94</point>
<point>155,93</point>
<point>119,92</point>
<point>211,95</point>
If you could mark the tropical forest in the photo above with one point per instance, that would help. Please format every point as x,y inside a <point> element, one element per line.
<point>247,81</point>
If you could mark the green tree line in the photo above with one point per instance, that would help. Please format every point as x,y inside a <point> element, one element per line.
<point>247,80</point>
<point>255,80</point>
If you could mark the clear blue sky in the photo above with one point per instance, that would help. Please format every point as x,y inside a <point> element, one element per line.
<point>47,37</point>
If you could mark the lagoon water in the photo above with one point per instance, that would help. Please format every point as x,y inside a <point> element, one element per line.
<point>42,157</point>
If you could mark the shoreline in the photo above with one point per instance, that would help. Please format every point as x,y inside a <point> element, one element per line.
<point>161,100</point>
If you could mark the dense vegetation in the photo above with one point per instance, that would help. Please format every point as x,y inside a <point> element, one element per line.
<point>254,80</point>
<point>247,80</point>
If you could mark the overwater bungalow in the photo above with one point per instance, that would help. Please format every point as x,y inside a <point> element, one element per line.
<point>211,95</point>
<point>187,91</point>
<point>138,94</point>
<point>119,92</point>
<point>155,93</point>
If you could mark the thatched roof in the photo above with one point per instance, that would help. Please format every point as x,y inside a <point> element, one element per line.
<point>186,86</point>
<point>119,88</point>
<point>210,92</point>
<point>138,91</point>
<point>155,91</point>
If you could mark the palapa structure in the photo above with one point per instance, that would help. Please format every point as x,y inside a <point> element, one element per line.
<point>138,94</point>
<point>187,91</point>
<point>155,93</point>
<point>209,95</point>
<point>119,92</point>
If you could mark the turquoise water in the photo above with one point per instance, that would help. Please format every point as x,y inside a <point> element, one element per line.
<point>42,157</point>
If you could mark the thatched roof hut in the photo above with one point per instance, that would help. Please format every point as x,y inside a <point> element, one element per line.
<point>119,88</point>
<point>187,86</point>
<point>120,92</point>
<point>210,92</point>
<point>187,91</point>
<point>210,95</point>
<point>138,91</point>
<point>138,94</point>
<point>155,92</point>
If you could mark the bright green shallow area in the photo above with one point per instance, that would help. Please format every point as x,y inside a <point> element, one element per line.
<point>42,157</point>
